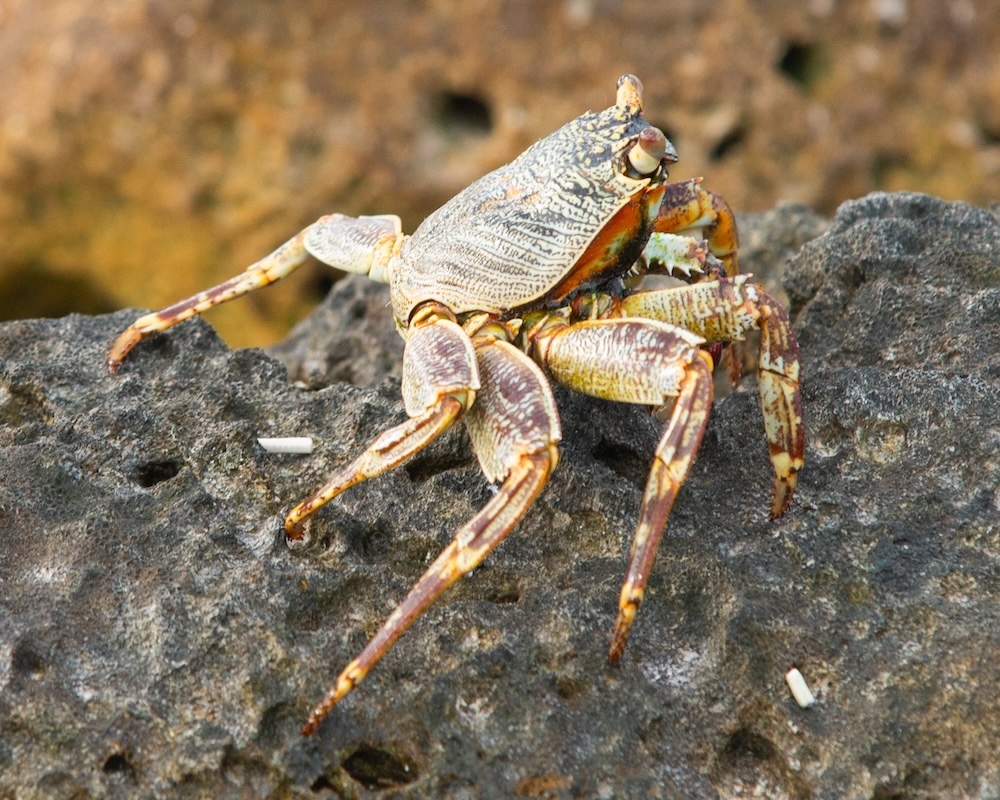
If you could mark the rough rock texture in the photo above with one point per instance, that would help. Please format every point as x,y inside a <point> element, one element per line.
<point>158,639</point>
<point>148,149</point>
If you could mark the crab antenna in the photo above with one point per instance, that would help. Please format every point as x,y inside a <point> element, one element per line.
<point>629,92</point>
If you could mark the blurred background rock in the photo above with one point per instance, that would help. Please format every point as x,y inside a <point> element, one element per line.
<point>150,148</point>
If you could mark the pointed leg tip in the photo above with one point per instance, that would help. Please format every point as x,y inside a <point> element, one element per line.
<point>122,346</point>
<point>318,714</point>
<point>345,684</point>
<point>296,525</point>
<point>620,636</point>
<point>784,488</point>
<point>618,641</point>
<point>294,532</point>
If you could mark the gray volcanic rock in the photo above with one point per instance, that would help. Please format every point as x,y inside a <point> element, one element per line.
<point>158,638</point>
<point>349,338</point>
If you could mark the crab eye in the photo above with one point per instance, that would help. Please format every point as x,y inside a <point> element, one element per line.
<point>646,153</point>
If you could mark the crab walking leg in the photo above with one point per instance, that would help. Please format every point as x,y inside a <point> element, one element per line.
<point>671,464</point>
<point>440,380</point>
<point>639,361</point>
<point>283,261</point>
<point>724,311</point>
<point>353,244</point>
<point>780,399</point>
<point>686,206</point>
<point>519,441</point>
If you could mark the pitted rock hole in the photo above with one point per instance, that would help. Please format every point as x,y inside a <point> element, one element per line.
<point>623,461</point>
<point>26,661</point>
<point>119,764</point>
<point>322,784</point>
<point>154,472</point>
<point>498,586</point>
<point>751,758</point>
<point>892,791</point>
<point>802,62</point>
<point>748,745</point>
<point>460,114</point>
<point>22,403</point>
<point>375,768</point>
<point>728,142</point>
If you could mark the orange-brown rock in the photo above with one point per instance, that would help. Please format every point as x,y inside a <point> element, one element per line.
<point>173,143</point>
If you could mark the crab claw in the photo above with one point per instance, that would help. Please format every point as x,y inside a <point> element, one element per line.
<point>629,92</point>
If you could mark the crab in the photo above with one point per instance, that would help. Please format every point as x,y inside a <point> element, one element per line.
<point>529,276</point>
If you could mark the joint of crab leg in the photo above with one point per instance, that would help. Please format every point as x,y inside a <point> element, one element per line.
<point>691,210</point>
<point>648,150</point>
<point>723,311</point>
<point>440,380</point>
<point>363,245</point>
<point>390,449</point>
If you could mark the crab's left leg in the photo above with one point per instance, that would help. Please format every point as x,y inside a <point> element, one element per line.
<point>514,429</point>
<point>723,311</point>
<point>362,245</point>
<point>645,362</point>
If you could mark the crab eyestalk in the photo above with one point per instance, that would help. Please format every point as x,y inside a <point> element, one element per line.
<point>629,92</point>
<point>648,151</point>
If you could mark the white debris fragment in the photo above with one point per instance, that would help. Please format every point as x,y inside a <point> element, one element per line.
<point>800,690</point>
<point>287,444</point>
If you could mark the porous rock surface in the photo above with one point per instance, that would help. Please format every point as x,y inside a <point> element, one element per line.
<point>158,638</point>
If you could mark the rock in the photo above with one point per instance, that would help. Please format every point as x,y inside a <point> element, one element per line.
<point>350,337</point>
<point>152,149</point>
<point>158,638</point>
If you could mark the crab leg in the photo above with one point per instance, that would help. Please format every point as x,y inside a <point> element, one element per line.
<point>515,440</point>
<point>353,244</point>
<point>647,362</point>
<point>724,311</point>
<point>283,261</point>
<point>440,380</point>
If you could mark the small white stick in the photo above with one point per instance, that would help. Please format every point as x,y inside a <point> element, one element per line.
<point>800,690</point>
<point>287,444</point>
